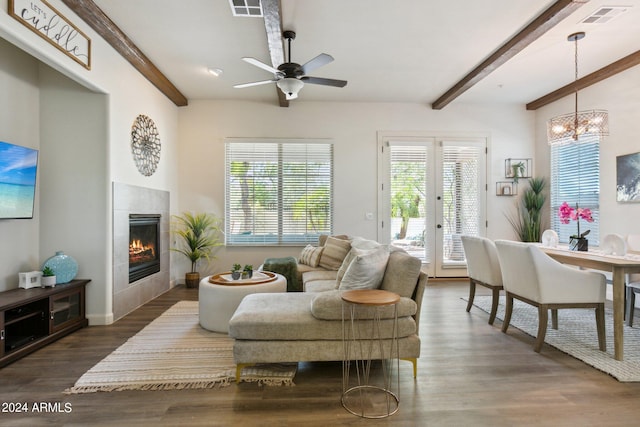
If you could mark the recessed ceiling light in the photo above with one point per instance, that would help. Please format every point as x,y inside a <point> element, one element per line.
<point>215,71</point>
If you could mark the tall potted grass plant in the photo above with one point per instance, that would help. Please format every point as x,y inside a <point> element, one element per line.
<point>198,235</point>
<point>527,222</point>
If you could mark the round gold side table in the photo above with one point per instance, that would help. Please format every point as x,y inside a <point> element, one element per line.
<point>364,341</point>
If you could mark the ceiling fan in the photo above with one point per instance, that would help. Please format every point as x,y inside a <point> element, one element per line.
<point>291,77</point>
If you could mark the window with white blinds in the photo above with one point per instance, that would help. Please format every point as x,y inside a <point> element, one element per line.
<point>278,193</point>
<point>575,179</point>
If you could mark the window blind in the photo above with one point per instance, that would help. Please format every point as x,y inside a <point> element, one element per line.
<point>278,193</point>
<point>460,196</point>
<point>575,179</point>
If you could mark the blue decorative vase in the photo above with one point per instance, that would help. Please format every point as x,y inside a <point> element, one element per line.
<point>63,266</point>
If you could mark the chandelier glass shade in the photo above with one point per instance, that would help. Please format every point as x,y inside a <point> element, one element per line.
<point>568,128</point>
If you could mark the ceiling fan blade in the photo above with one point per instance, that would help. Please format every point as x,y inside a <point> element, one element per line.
<point>260,64</point>
<point>323,81</point>
<point>262,82</point>
<point>318,61</point>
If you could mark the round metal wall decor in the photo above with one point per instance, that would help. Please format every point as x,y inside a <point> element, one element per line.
<point>145,145</point>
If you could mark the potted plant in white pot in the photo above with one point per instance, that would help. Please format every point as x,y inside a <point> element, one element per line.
<point>48,277</point>
<point>198,235</point>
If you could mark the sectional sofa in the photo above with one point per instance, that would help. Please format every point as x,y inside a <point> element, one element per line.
<point>307,326</point>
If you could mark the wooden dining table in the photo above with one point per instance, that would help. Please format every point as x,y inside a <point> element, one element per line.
<point>619,266</point>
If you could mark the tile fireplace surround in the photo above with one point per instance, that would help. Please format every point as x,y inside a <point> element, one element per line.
<point>129,199</point>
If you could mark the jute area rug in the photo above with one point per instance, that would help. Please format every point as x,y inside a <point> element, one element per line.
<point>577,336</point>
<point>174,352</point>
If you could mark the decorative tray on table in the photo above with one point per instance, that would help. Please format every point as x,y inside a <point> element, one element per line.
<point>257,278</point>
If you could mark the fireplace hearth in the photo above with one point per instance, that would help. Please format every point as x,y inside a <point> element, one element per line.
<point>144,245</point>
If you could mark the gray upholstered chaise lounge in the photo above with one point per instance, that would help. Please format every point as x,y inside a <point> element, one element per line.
<point>307,326</point>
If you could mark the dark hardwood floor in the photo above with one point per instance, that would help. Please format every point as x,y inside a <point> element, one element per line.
<point>469,374</point>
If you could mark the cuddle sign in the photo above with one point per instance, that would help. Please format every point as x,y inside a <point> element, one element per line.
<point>43,19</point>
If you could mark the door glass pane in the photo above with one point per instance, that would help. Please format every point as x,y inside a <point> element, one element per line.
<point>408,172</point>
<point>460,199</point>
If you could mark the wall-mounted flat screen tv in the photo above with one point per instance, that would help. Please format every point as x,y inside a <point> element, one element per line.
<point>18,167</point>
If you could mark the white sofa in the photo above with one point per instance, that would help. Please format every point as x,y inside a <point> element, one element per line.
<point>307,326</point>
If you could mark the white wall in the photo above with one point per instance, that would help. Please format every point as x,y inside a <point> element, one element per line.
<point>353,129</point>
<point>115,94</point>
<point>19,118</point>
<point>74,182</point>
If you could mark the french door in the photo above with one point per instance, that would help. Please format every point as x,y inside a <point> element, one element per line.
<point>432,191</point>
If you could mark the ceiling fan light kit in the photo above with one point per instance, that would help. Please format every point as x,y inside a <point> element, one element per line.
<point>568,128</point>
<point>290,87</point>
<point>291,77</point>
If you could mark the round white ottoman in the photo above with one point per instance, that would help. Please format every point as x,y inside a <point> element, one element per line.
<point>217,303</point>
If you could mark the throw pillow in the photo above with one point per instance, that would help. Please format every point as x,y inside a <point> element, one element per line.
<point>402,273</point>
<point>311,256</point>
<point>344,266</point>
<point>334,252</point>
<point>366,271</point>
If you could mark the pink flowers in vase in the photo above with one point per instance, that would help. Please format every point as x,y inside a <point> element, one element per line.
<point>566,213</point>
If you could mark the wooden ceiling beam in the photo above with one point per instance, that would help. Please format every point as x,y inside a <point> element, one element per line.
<point>540,25</point>
<point>271,10</point>
<point>588,80</point>
<point>90,13</point>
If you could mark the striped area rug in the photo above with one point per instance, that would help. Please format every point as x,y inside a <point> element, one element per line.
<point>577,336</point>
<point>173,352</point>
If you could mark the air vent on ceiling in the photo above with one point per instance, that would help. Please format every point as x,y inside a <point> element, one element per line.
<point>252,8</point>
<point>605,14</point>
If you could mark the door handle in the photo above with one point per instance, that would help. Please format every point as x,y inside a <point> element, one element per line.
<point>439,226</point>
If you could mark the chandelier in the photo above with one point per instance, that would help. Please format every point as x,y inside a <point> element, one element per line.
<point>569,127</point>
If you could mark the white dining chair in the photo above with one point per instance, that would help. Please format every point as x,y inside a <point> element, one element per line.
<point>633,280</point>
<point>531,276</point>
<point>483,269</point>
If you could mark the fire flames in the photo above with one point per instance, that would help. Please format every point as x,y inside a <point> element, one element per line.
<point>141,252</point>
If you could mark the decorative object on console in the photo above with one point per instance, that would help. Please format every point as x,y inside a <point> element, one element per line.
<point>64,267</point>
<point>569,127</point>
<point>145,145</point>
<point>48,277</point>
<point>628,178</point>
<point>30,279</point>
<point>577,242</point>
<point>199,235</point>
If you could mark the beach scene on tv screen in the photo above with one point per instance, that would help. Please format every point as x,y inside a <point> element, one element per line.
<point>17,180</point>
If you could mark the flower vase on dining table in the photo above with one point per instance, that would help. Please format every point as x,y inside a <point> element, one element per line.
<point>579,244</point>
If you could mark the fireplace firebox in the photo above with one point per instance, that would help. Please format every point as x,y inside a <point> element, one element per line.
<point>144,245</point>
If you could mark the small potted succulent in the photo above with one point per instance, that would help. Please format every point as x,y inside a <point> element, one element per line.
<point>48,277</point>
<point>236,271</point>
<point>247,271</point>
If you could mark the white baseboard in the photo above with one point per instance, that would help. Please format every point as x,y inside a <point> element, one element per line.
<point>100,319</point>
